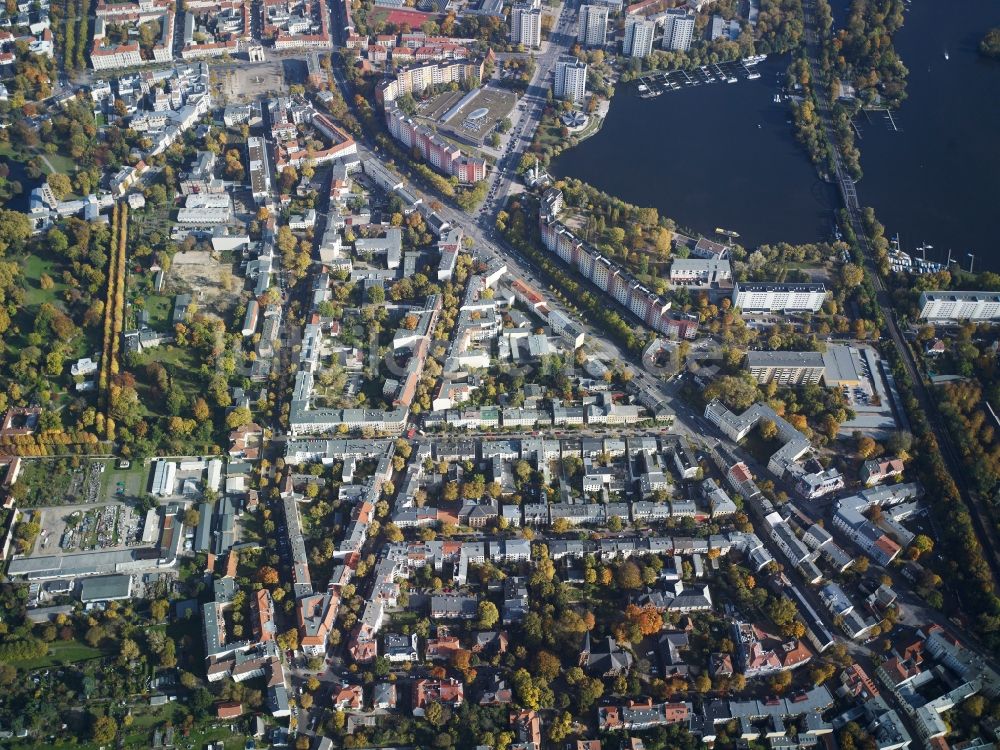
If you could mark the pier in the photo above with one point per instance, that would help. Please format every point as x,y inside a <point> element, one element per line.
<point>654,84</point>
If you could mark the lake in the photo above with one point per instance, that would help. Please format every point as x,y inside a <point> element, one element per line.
<point>724,155</point>
<point>714,155</point>
<point>938,180</point>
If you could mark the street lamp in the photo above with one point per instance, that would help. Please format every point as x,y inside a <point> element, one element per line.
<point>971,262</point>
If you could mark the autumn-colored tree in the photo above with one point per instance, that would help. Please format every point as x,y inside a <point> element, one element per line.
<point>268,576</point>
<point>649,620</point>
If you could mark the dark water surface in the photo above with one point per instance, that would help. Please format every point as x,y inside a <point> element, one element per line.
<point>724,155</point>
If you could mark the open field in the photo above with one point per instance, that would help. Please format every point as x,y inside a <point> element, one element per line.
<point>62,652</point>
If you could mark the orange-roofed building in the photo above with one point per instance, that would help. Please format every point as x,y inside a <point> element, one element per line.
<point>229,710</point>
<point>449,692</point>
<point>347,697</point>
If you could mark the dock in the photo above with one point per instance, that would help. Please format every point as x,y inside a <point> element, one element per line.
<point>655,84</point>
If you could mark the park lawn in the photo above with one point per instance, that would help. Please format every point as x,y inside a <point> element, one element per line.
<point>32,267</point>
<point>62,652</point>
<point>160,308</point>
<point>60,163</point>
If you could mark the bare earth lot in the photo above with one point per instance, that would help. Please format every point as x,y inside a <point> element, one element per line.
<point>207,279</point>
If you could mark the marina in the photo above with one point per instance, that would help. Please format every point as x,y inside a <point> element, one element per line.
<point>902,262</point>
<point>655,84</point>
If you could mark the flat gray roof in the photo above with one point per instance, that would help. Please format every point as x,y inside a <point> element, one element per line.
<point>841,364</point>
<point>784,359</point>
<point>65,566</point>
<point>105,588</point>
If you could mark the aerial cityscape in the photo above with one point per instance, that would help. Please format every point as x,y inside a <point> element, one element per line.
<point>499,374</point>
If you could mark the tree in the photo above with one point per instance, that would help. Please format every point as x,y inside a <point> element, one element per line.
<point>782,610</point>
<point>376,295</point>
<point>435,714</point>
<point>128,650</point>
<point>628,575</point>
<point>851,276</point>
<point>488,614</point>
<point>191,517</point>
<point>103,730</point>
<point>866,447</point>
<point>768,429</point>
<point>974,706</point>
<point>200,410</point>
<point>189,681</point>
<point>525,689</point>
<point>238,417</point>
<point>921,545</point>
<point>60,184</point>
<point>649,620</point>
<point>547,665</point>
<point>158,609</point>
<point>780,682</point>
<point>561,728</point>
<point>268,576</point>
<point>989,45</point>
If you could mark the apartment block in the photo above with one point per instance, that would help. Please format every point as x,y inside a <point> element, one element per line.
<point>639,34</point>
<point>526,24</point>
<point>786,368</point>
<point>957,306</point>
<point>678,29</point>
<point>593,27</point>
<point>571,79</point>
<point>764,296</point>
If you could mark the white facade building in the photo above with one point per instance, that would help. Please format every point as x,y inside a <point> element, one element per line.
<point>571,79</point>
<point>774,297</point>
<point>593,28</point>
<point>639,33</point>
<point>526,24</point>
<point>960,305</point>
<point>678,30</point>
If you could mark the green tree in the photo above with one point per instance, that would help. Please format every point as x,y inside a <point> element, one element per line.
<point>488,614</point>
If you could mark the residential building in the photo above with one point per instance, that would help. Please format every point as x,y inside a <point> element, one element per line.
<point>700,271</point>
<point>593,28</point>
<point>639,34</point>
<point>571,79</point>
<point>448,692</point>
<point>955,306</point>
<point>786,368</point>
<point>766,296</point>
<point>877,471</point>
<point>678,29</point>
<point>526,23</point>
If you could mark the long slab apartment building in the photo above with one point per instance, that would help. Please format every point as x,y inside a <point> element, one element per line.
<point>769,296</point>
<point>943,305</point>
<point>440,154</point>
<point>608,276</point>
<point>435,150</point>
